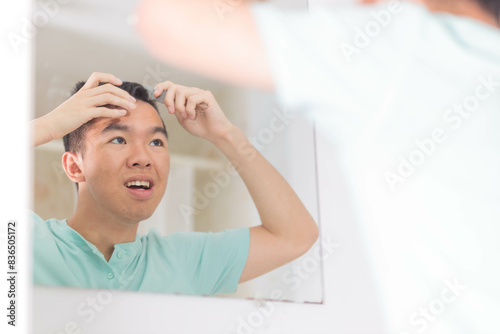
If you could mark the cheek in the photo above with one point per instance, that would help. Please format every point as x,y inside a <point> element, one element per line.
<point>103,168</point>
<point>166,167</point>
<point>163,168</point>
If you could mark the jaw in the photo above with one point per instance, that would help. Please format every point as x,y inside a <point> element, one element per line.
<point>143,203</point>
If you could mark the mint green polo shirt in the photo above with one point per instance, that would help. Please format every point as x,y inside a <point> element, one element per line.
<point>195,263</point>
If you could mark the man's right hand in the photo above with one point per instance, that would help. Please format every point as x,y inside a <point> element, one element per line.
<point>88,103</point>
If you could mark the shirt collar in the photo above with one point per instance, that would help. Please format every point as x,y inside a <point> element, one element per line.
<point>68,233</point>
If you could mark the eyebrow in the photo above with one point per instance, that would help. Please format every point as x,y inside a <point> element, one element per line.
<point>126,128</point>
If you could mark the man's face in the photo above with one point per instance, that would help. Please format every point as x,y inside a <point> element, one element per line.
<point>126,164</point>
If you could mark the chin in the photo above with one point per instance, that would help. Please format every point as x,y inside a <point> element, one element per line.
<point>143,216</point>
<point>139,214</point>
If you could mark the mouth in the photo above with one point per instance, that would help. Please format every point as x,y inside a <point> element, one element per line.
<point>141,189</point>
<point>138,185</point>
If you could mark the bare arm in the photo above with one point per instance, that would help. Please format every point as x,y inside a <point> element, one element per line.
<point>88,103</point>
<point>218,39</point>
<point>287,229</point>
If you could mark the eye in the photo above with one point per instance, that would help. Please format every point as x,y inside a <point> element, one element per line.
<point>157,142</point>
<point>118,140</point>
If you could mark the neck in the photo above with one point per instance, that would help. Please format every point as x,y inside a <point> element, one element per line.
<point>469,8</point>
<point>101,228</point>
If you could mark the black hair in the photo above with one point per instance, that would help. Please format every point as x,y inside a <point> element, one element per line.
<point>75,140</point>
<point>492,6</point>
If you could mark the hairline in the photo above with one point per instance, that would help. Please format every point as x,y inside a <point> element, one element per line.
<point>89,124</point>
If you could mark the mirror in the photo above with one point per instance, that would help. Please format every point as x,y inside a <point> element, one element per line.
<point>201,196</point>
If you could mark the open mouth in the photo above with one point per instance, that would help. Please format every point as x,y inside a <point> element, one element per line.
<point>138,185</point>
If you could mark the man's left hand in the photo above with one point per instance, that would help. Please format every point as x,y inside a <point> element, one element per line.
<point>196,110</point>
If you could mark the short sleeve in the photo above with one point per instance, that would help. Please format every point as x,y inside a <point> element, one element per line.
<point>212,262</point>
<point>48,263</point>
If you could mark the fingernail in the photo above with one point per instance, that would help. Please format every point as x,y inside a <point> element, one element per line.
<point>119,81</point>
<point>131,98</point>
<point>157,90</point>
<point>132,105</point>
<point>191,116</point>
<point>171,109</point>
<point>122,112</point>
<point>183,115</point>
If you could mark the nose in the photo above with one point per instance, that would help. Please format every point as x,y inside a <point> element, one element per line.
<point>139,157</point>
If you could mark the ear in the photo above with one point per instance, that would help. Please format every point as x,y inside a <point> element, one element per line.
<point>72,166</point>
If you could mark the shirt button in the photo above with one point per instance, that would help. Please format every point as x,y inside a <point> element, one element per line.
<point>120,255</point>
<point>110,275</point>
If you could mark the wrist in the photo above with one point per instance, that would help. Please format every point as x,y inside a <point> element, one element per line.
<point>47,126</point>
<point>237,149</point>
<point>231,138</point>
<point>41,131</point>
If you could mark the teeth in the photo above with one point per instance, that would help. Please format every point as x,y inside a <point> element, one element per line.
<point>138,183</point>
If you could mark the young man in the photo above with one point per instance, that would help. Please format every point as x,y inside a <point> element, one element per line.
<point>406,96</point>
<point>117,154</point>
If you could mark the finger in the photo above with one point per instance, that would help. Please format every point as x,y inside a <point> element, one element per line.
<point>97,77</point>
<point>169,100</point>
<point>108,88</point>
<point>201,108</point>
<point>200,102</point>
<point>201,111</point>
<point>191,107</point>
<point>161,87</point>
<point>196,104</point>
<point>202,105</point>
<point>180,104</point>
<point>107,112</point>
<point>179,118</point>
<point>108,98</point>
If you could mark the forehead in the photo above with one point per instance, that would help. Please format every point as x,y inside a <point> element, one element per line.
<point>142,118</point>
